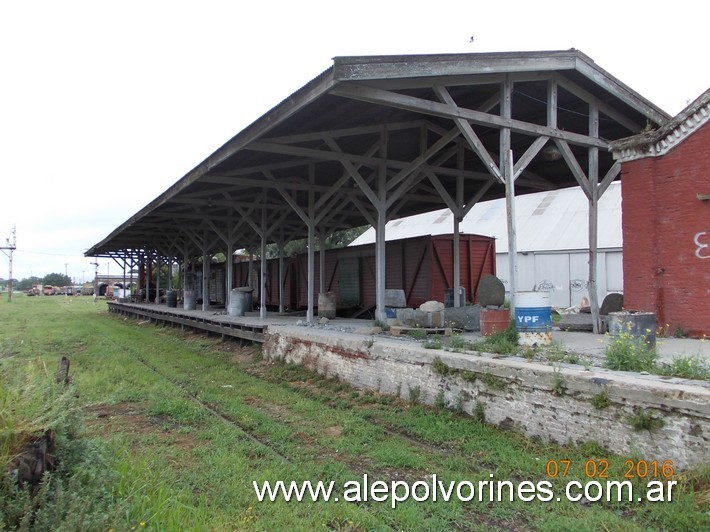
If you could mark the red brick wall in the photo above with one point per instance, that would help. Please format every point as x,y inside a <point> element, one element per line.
<point>664,271</point>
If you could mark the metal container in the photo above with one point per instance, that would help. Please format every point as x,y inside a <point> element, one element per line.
<point>240,301</point>
<point>189,300</point>
<point>171,298</point>
<point>533,318</point>
<point>327,305</point>
<point>636,324</point>
<point>493,321</point>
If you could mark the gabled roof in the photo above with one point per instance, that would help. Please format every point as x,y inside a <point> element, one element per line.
<point>660,141</point>
<point>401,115</point>
<point>546,221</point>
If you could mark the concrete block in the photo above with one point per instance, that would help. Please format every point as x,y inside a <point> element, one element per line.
<point>395,298</point>
<point>466,318</point>
<point>419,318</point>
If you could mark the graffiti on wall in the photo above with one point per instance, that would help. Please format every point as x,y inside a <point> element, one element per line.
<point>702,240</point>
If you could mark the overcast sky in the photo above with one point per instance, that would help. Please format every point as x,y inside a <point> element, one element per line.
<point>104,105</point>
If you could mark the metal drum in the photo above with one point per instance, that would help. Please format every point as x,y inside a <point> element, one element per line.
<point>240,301</point>
<point>494,321</point>
<point>326,305</point>
<point>171,298</point>
<point>533,318</point>
<point>634,324</point>
<point>189,300</point>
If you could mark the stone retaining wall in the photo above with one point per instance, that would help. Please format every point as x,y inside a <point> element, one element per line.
<point>553,404</point>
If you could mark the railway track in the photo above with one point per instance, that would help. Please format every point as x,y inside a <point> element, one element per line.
<point>214,412</point>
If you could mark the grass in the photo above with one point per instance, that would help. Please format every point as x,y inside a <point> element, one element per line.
<point>144,455</point>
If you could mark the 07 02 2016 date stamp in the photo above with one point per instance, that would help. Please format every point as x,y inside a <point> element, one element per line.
<point>599,469</point>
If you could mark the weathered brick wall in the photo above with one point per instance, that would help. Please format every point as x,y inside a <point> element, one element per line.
<point>515,393</point>
<point>666,231</point>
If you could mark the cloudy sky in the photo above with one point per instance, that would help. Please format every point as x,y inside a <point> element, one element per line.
<point>104,105</point>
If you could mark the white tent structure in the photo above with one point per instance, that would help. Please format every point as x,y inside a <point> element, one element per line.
<point>552,240</point>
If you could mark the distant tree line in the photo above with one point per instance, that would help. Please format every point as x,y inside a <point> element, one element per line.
<point>52,279</point>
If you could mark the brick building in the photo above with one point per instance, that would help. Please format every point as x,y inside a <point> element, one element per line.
<point>665,179</point>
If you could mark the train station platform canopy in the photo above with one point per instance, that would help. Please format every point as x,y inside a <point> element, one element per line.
<point>382,137</point>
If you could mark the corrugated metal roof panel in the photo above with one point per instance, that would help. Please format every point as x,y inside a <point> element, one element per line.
<point>546,221</point>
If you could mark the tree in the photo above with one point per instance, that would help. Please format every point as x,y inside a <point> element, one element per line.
<point>26,283</point>
<point>56,279</point>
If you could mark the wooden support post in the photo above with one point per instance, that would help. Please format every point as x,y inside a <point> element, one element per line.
<point>185,265</point>
<point>281,275</point>
<point>457,240</point>
<point>206,259</point>
<point>229,274</point>
<point>262,275</point>
<point>311,243</point>
<point>593,218</point>
<point>381,238</point>
<point>147,277</point>
<point>124,276</point>
<point>512,231</point>
<point>506,167</point>
<point>157,279</point>
<point>130,276</point>
<point>321,265</point>
<point>311,274</point>
<point>380,271</point>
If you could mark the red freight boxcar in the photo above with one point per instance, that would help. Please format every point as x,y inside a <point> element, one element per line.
<point>421,266</point>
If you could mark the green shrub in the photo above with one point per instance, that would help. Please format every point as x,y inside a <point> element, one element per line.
<point>687,367</point>
<point>432,343</point>
<point>642,420</point>
<point>558,383</point>
<point>503,342</point>
<point>457,343</point>
<point>468,375</point>
<point>493,382</point>
<point>601,400</point>
<point>628,353</point>
<point>440,400</point>
<point>479,413</point>
<point>418,334</point>
<point>415,393</point>
<point>440,368</point>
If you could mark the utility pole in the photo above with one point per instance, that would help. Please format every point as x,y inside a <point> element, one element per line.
<point>8,249</point>
<point>66,288</point>
<point>96,279</point>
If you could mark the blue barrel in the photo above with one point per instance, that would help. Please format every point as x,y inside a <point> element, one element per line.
<point>533,318</point>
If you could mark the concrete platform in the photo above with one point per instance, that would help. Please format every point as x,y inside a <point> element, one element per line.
<point>252,327</point>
